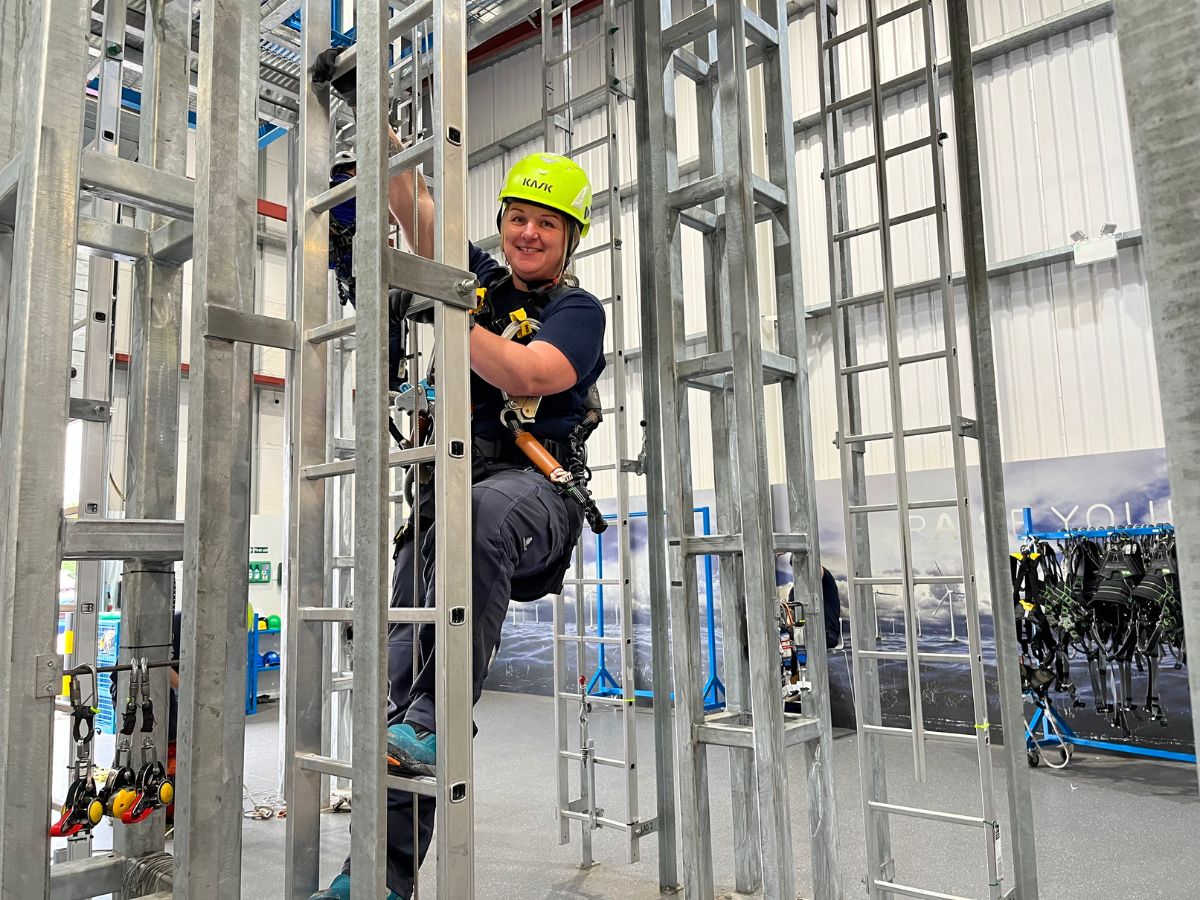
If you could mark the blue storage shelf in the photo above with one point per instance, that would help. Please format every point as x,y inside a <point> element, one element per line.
<point>254,664</point>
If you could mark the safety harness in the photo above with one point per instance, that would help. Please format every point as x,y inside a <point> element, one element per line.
<point>562,462</point>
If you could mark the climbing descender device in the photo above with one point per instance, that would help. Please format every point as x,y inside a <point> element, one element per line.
<point>82,809</point>
<point>155,789</point>
<point>120,790</point>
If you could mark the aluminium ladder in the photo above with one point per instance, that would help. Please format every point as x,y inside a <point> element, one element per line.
<point>378,267</point>
<point>723,204</point>
<point>586,127</point>
<point>862,259</point>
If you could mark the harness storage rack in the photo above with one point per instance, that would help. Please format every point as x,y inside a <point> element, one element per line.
<point>1117,604</point>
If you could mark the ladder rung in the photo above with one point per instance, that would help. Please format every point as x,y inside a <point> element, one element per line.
<point>409,158</point>
<point>847,35</point>
<point>575,152</point>
<point>936,815</point>
<point>900,12</point>
<point>574,51</point>
<point>901,149</point>
<point>855,232</point>
<point>345,614</point>
<point>590,639</point>
<point>343,562</point>
<point>902,655</point>
<point>600,820</point>
<point>593,582</point>
<point>895,507</point>
<point>424,453</point>
<point>592,251</point>
<point>342,683</point>
<point>887,435</point>
<point>914,215</point>
<point>876,296</point>
<point>331,330</point>
<point>850,100</point>
<point>339,768</point>
<point>598,760</point>
<point>583,100</point>
<point>949,737</point>
<point>892,887</point>
<point>896,581</point>
<point>604,467</point>
<point>594,698</point>
<point>904,361</point>
<point>908,79</point>
<point>846,168</point>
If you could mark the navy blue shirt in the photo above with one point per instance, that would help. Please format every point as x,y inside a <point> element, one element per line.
<point>573,322</point>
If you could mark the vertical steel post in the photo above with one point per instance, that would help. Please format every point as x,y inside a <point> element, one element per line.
<point>307,643</point>
<point>52,64</point>
<point>154,387</point>
<point>1157,41</point>
<point>216,534</point>
<point>672,581</point>
<point>991,467</point>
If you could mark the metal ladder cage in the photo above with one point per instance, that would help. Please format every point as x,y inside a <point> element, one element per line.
<point>40,186</point>
<point>739,62</point>
<point>865,315</point>
<point>450,287</point>
<point>584,125</point>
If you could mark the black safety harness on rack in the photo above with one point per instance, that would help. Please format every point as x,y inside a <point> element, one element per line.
<point>563,463</point>
<point>1035,574</point>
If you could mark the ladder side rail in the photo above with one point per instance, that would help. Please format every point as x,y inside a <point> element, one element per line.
<point>979,691</point>
<point>620,432</point>
<point>368,850</point>
<point>757,529</point>
<point>40,298</point>
<point>979,325</point>
<point>896,401</point>
<point>95,437</point>
<point>312,382</point>
<point>452,471</point>
<point>797,441</point>
<point>152,446</point>
<point>216,531</point>
<point>723,423</point>
<point>867,703</point>
<point>669,501</point>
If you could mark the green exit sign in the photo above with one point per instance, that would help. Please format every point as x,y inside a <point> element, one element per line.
<point>260,573</point>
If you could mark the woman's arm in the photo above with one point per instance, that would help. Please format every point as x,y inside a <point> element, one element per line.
<point>411,206</point>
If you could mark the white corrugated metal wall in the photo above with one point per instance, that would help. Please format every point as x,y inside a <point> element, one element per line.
<point>1056,159</point>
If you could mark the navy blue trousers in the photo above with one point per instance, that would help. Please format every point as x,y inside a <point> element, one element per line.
<point>522,526</point>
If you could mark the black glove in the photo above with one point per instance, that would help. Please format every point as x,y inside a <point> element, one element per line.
<point>345,86</point>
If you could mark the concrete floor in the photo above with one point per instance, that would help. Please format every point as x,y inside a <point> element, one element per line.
<point>1106,826</point>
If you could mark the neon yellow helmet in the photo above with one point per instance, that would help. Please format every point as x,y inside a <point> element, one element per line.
<point>554,182</point>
